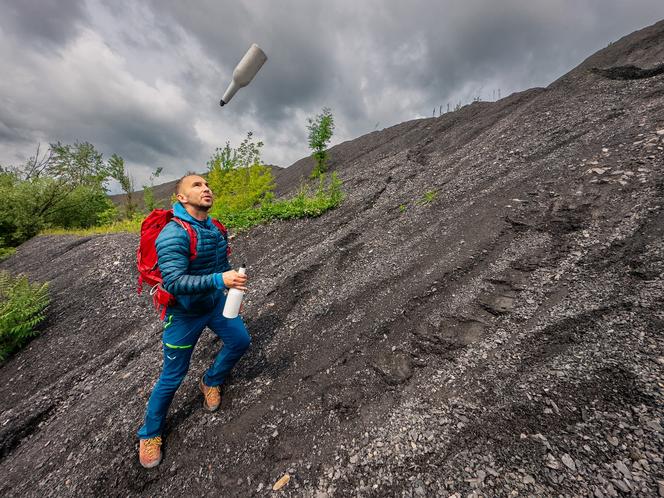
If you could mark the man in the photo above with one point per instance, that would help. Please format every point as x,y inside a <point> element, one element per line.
<point>198,287</point>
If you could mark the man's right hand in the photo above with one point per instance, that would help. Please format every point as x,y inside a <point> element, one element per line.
<point>235,280</point>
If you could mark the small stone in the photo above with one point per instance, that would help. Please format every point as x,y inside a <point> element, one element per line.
<point>622,468</point>
<point>660,488</point>
<point>281,482</point>
<point>569,462</point>
<point>353,459</point>
<point>621,485</point>
<point>660,132</point>
<point>654,425</point>
<point>551,462</point>
<point>613,441</point>
<point>528,479</point>
<point>492,472</point>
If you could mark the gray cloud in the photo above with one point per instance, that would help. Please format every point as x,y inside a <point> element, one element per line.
<point>143,79</point>
<point>42,23</point>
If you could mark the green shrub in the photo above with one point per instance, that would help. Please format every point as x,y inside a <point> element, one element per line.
<point>328,195</point>
<point>242,188</point>
<point>22,306</point>
<point>238,179</point>
<point>6,252</point>
<point>320,132</point>
<point>63,187</point>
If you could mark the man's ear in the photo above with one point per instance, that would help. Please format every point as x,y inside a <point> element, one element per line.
<point>181,198</point>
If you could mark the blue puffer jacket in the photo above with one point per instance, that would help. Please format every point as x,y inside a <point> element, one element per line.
<point>197,285</point>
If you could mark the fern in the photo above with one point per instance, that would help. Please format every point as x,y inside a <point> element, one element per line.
<point>22,307</point>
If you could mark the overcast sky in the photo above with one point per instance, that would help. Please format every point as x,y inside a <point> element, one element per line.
<point>144,79</point>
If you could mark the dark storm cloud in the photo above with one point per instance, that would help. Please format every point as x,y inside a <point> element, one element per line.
<point>44,23</point>
<point>320,52</point>
<point>143,79</point>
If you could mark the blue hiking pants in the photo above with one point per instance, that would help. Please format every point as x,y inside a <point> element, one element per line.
<point>181,332</point>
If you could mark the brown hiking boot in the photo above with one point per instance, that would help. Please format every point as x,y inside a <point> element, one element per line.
<point>149,452</point>
<point>211,396</point>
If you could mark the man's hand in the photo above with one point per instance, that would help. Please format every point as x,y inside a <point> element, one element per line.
<point>234,280</point>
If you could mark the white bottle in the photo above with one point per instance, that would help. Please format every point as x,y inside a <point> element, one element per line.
<point>234,298</point>
<point>244,72</point>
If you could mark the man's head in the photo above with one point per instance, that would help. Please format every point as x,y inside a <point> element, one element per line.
<point>193,191</point>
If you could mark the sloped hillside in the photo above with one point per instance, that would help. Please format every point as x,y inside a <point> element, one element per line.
<point>484,315</point>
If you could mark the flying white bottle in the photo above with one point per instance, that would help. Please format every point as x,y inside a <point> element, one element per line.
<point>234,298</point>
<point>244,72</point>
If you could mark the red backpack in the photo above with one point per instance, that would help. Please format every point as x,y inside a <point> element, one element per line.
<point>146,254</point>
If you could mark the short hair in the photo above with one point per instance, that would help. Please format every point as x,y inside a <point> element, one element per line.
<point>178,184</point>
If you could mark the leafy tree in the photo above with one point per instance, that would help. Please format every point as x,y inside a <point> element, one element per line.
<point>247,154</point>
<point>223,159</point>
<point>117,171</point>
<point>320,132</point>
<point>62,186</point>
<point>237,178</point>
<point>78,164</point>
<point>148,191</point>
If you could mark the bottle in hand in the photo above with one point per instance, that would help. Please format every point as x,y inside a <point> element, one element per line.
<point>234,298</point>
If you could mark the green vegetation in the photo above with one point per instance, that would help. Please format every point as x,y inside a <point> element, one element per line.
<point>429,197</point>
<point>320,132</point>
<point>244,194</point>
<point>237,178</point>
<point>328,195</point>
<point>244,189</point>
<point>148,192</point>
<point>6,252</point>
<point>63,191</point>
<point>22,306</point>
<point>116,226</point>
<point>402,208</point>
<point>63,187</point>
<point>117,171</point>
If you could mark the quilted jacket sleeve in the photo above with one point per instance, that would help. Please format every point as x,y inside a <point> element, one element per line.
<point>173,257</point>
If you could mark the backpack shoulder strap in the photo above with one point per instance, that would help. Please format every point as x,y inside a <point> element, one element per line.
<point>193,238</point>
<point>221,227</point>
<point>224,232</point>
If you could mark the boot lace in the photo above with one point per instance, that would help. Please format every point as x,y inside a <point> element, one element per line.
<point>152,446</point>
<point>210,392</point>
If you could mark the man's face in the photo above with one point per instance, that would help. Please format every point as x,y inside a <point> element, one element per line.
<point>194,190</point>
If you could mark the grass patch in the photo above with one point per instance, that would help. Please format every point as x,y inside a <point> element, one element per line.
<point>132,225</point>
<point>428,197</point>
<point>22,306</point>
<point>6,252</point>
